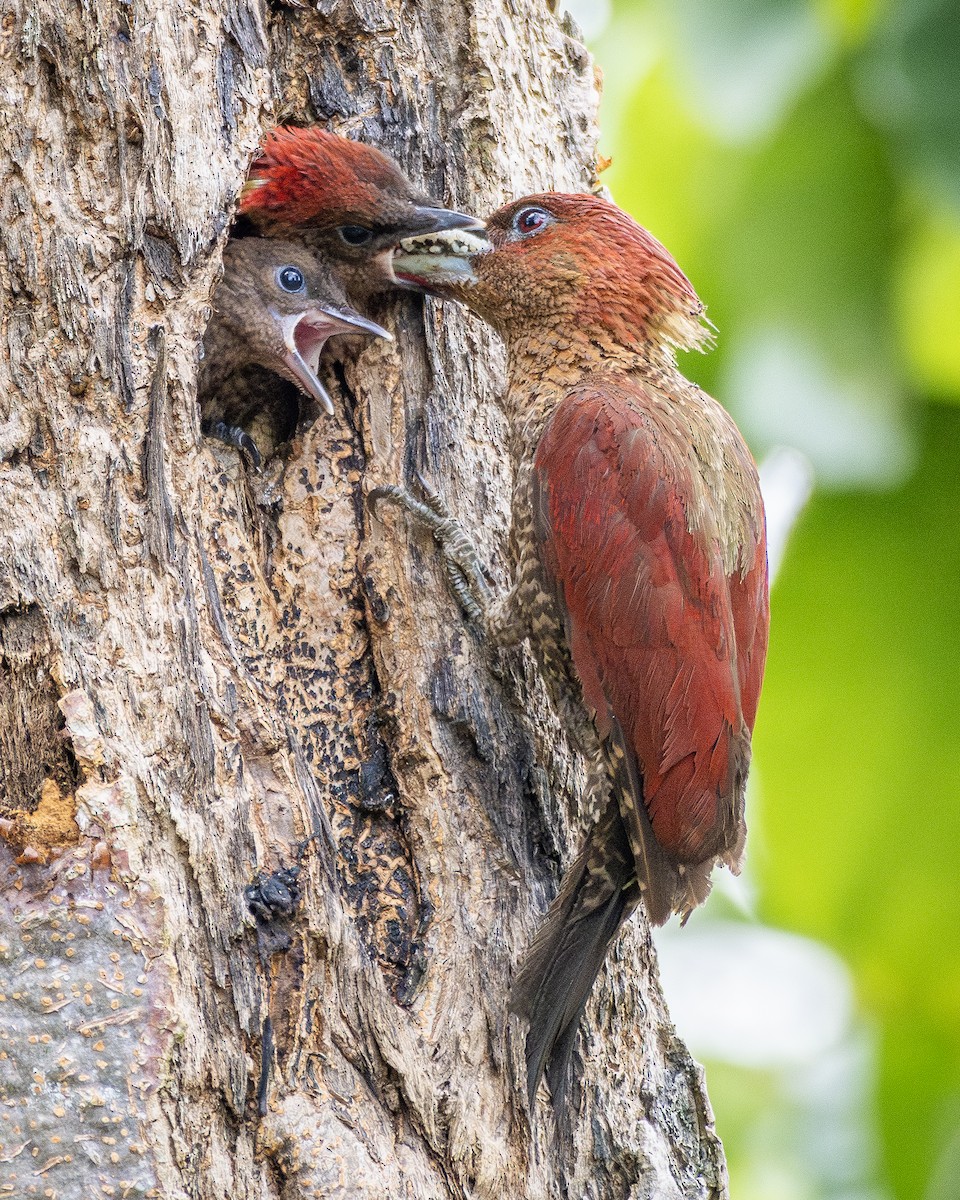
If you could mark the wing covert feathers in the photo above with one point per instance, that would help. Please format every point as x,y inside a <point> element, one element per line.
<point>649,530</point>
<point>661,578</point>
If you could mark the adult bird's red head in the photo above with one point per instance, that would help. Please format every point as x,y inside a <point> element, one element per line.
<point>642,577</point>
<point>570,261</point>
<point>345,199</point>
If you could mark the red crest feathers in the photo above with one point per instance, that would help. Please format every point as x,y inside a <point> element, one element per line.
<point>312,177</point>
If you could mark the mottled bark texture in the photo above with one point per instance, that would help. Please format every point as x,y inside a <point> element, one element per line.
<point>208,677</point>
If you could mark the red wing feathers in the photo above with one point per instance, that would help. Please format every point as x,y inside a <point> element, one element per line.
<point>750,601</point>
<point>665,642</point>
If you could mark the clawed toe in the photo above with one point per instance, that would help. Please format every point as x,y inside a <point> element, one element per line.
<point>432,498</point>
<point>236,436</point>
<point>460,559</point>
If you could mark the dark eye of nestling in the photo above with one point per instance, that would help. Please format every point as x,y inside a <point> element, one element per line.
<point>531,220</point>
<point>355,235</point>
<point>290,279</point>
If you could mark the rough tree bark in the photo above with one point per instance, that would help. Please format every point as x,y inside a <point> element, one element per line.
<point>199,671</point>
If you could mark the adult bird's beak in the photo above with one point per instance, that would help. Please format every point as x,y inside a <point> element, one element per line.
<point>306,333</point>
<point>434,259</point>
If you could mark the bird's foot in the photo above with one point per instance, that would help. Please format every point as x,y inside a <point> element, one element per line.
<point>236,436</point>
<point>464,569</point>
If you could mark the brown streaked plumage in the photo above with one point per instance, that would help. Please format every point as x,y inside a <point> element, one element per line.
<point>641,569</point>
<point>273,311</point>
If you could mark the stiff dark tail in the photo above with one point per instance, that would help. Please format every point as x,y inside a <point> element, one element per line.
<point>551,989</point>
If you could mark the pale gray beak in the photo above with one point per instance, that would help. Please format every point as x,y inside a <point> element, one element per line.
<point>424,219</point>
<point>304,336</point>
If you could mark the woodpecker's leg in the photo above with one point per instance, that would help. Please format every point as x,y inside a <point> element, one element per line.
<point>460,558</point>
<point>465,572</point>
<point>233,435</point>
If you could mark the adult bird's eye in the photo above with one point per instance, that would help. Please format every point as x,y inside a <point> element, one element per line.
<point>355,235</point>
<point>531,220</point>
<point>290,279</point>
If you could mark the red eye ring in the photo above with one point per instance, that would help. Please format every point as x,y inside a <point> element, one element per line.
<point>530,220</point>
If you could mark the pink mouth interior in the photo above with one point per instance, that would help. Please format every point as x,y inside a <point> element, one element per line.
<point>310,335</point>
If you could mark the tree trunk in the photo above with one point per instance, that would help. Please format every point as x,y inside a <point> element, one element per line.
<point>208,677</point>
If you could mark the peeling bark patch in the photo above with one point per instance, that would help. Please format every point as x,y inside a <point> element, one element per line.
<point>271,899</point>
<point>349,760</point>
<point>461,703</point>
<point>378,788</point>
<point>329,96</point>
<point>36,836</point>
<point>326,1154</point>
<point>160,507</point>
<point>38,770</point>
<point>291,596</point>
<point>83,1030</point>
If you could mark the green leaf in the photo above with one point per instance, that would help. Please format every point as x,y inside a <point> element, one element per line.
<point>928,304</point>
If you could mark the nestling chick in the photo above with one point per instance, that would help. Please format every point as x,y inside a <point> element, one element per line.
<point>344,199</point>
<point>273,311</point>
<point>641,578</point>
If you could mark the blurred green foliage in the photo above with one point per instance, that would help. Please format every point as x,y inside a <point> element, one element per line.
<point>860,761</point>
<point>802,162</point>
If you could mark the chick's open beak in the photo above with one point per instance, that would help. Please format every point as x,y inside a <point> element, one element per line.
<point>433,259</point>
<point>304,336</point>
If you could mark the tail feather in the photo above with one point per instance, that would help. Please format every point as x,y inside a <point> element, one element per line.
<point>620,863</point>
<point>554,983</point>
<point>656,871</point>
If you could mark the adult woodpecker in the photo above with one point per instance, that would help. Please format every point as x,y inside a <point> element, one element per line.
<point>641,573</point>
<point>273,311</point>
<point>346,200</point>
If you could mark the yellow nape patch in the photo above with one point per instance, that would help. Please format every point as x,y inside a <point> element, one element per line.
<point>687,331</point>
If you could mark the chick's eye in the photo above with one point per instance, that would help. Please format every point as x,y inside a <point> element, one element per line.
<point>355,235</point>
<point>531,220</point>
<point>290,279</point>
